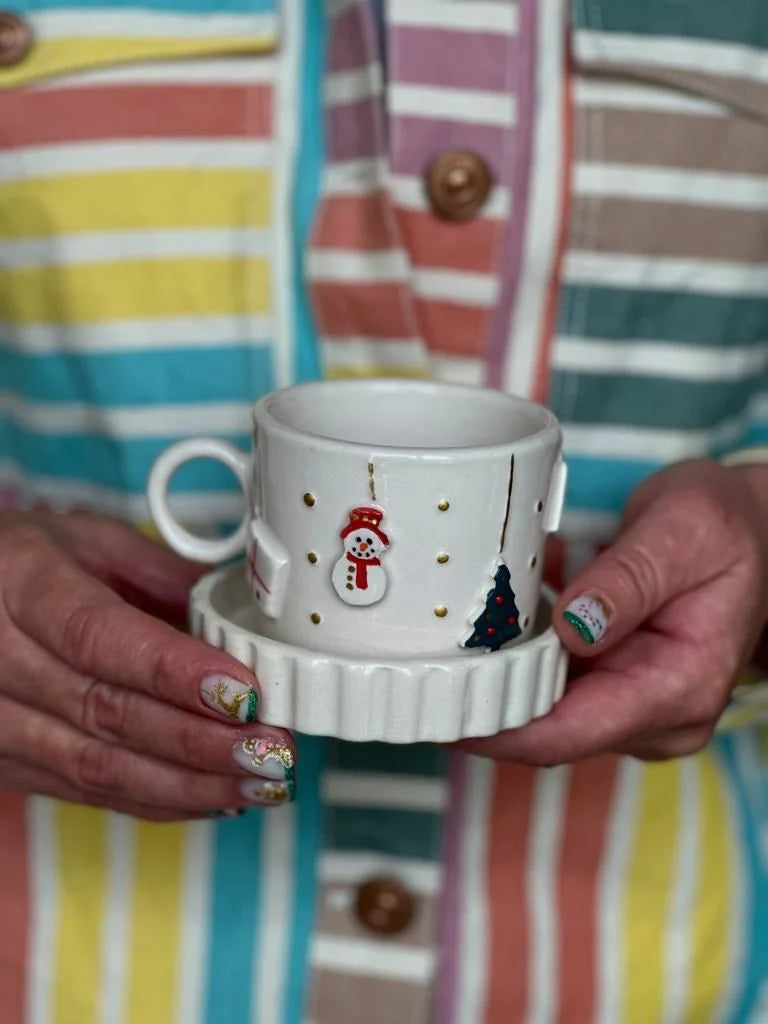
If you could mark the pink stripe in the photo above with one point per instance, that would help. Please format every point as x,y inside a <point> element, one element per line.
<point>354,130</point>
<point>8,497</point>
<point>416,141</point>
<point>511,266</point>
<point>349,40</point>
<point>465,59</point>
<point>449,951</point>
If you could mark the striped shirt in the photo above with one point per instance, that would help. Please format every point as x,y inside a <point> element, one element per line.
<point>201,202</point>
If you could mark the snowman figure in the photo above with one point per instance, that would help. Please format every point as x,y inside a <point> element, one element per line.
<point>358,577</point>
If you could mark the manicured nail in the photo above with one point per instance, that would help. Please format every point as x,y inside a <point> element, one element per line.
<point>266,757</point>
<point>589,616</point>
<point>230,697</point>
<point>267,792</point>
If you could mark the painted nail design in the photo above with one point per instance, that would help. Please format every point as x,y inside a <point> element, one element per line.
<point>267,792</point>
<point>230,697</point>
<point>589,616</point>
<point>266,757</point>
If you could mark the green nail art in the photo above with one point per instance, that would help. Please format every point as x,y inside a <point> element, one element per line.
<point>580,628</point>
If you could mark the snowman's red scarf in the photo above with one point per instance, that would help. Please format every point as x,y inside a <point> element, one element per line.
<point>362,565</point>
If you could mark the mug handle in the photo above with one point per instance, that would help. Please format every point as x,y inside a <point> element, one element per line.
<point>199,549</point>
<point>556,497</point>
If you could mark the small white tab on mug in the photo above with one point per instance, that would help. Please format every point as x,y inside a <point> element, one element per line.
<point>268,569</point>
<point>556,498</point>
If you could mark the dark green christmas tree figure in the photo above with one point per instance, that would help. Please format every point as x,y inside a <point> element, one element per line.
<point>500,621</point>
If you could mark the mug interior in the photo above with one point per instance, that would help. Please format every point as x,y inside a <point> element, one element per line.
<point>407,414</point>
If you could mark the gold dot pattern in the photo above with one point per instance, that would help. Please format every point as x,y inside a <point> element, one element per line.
<point>441,611</point>
<point>309,499</point>
<point>317,619</point>
<point>443,558</point>
<point>312,558</point>
<point>443,505</point>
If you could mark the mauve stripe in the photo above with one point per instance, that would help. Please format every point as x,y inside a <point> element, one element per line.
<point>14,899</point>
<point>353,130</point>
<point>511,265</point>
<point>8,497</point>
<point>449,948</point>
<point>416,141</point>
<point>152,111</point>
<point>349,40</point>
<point>462,59</point>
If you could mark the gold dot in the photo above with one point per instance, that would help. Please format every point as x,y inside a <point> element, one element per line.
<point>442,559</point>
<point>309,500</point>
<point>350,587</point>
<point>441,611</point>
<point>539,507</point>
<point>533,562</point>
<point>317,619</point>
<point>312,558</point>
<point>443,505</point>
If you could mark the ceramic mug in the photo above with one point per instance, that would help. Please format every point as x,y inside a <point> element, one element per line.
<point>387,517</point>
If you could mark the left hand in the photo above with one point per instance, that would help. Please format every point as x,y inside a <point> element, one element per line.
<point>685,589</point>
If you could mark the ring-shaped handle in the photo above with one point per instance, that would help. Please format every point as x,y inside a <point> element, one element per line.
<point>199,549</point>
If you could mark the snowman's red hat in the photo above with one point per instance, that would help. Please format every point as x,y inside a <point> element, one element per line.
<point>368,518</point>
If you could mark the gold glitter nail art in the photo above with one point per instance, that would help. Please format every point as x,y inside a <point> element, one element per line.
<point>261,750</point>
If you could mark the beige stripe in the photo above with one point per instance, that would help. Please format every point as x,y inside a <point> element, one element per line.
<point>338,916</point>
<point>338,997</point>
<point>643,227</point>
<point>667,139</point>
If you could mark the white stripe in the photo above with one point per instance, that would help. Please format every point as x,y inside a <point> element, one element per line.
<point>235,70</point>
<point>621,833</point>
<point>121,833</point>
<point>588,526</point>
<point>550,794</point>
<point>43,913</point>
<point>679,923</point>
<point>618,94</point>
<point>87,22</point>
<point>112,336</point>
<point>343,265</point>
<point>355,177</point>
<point>377,789</point>
<point>470,106</point>
<point>136,154</point>
<point>485,15</point>
<point>350,86</point>
<point>473,960</point>
<point>459,287</point>
<point>677,54</point>
<point>193,941</point>
<point>272,955</point>
<point>659,359</point>
<point>420,876</point>
<point>356,352</point>
<point>545,206</point>
<point>371,958</point>
<point>149,244</point>
<point>759,1015</point>
<point>129,421</point>
<point>409,192</point>
<point>706,188</point>
<point>652,272</point>
<point>457,369</point>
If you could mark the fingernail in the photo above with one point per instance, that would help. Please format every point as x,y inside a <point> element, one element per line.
<point>230,697</point>
<point>589,616</point>
<point>238,813</point>
<point>268,792</point>
<point>267,757</point>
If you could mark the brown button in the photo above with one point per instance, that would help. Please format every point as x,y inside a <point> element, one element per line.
<point>384,905</point>
<point>15,39</point>
<point>458,184</point>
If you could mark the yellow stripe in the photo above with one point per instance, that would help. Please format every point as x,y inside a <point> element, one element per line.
<point>649,881</point>
<point>155,924</point>
<point>710,938</point>
<point>82,889</point>
<point>176,198</point>
<point>50,57</point>
<point>88,293</point>
<point>374,370</point>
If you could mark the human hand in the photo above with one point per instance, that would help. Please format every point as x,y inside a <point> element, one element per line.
<point>660,624</point>
<point>101,702</point>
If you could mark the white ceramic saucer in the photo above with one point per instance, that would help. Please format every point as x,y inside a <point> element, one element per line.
<point>435,700</point>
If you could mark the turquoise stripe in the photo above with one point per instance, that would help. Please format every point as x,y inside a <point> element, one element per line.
<point>309,812</point>
<point>231,373</point>
<point>386,830</point>
<point>117,463</point>
<point>603,485</point>
<point>203,7</point>
<point>234,920</point>
<point>734,21</point>
<point>417,759</point>
<point>620,315</point>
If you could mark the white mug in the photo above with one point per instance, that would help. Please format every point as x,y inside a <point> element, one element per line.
<point>387,517</point>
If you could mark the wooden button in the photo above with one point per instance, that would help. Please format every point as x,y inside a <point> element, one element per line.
<point>385,906</point>
<point>15,39</point>
<point>458,184</point>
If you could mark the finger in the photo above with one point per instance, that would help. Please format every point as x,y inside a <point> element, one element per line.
<point>86,625</point>
<point>669,744</point>
<point>90,765</point>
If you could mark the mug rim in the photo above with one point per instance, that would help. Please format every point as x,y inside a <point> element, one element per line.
<point>549,422</point>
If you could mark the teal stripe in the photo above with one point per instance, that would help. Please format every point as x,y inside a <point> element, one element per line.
<point>203,7</point>
<point>309,823</point>
<point>231,373</point>
<point>652,401</point>
<point>122,464</point>
<point>603,485</point>
<point>619,315</point>
<point>416,759</point>
<point>734,21</point>
<point>385,830</point>
<point>234,919</point>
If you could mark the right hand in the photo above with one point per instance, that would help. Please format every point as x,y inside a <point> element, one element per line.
<point>103,703</point>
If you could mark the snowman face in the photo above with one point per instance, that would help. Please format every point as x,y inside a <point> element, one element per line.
<point>363,544</point>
